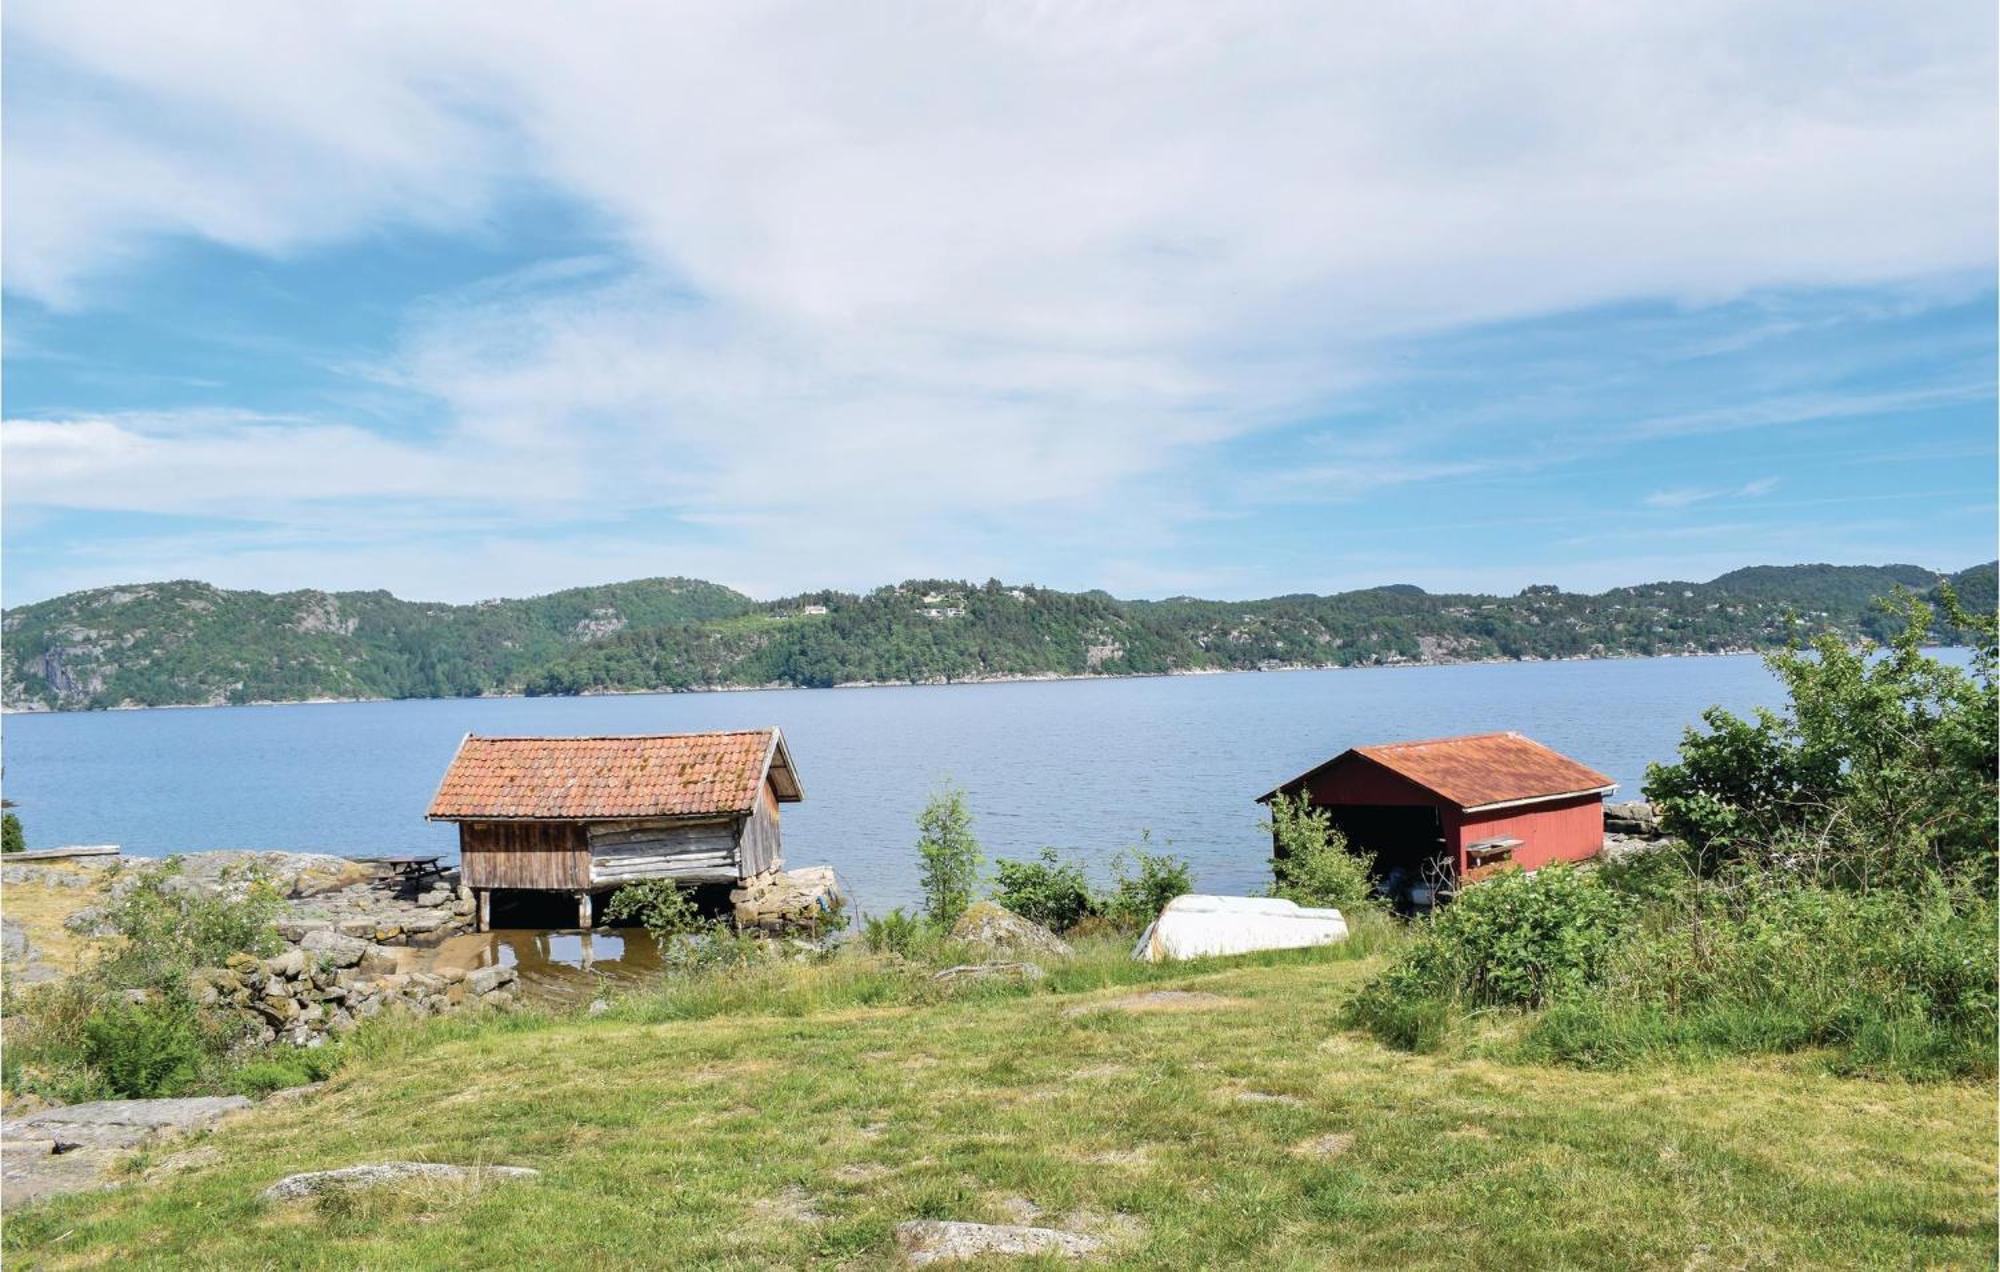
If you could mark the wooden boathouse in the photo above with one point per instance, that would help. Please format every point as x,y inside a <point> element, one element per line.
<point>585,815</point>
<point>1457,808</point>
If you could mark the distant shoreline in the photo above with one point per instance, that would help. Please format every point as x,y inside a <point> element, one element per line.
<point>1037,678</point>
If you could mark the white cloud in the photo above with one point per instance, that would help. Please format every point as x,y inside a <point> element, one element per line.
<point>901,282</point>
<point>1687,496</point>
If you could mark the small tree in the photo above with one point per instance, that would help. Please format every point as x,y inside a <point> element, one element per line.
<point>1311,863</point>
<point>1143,881</point>
<point>661,906</point>
<point>1048,890</point>
<point>1879,772</point>
<point>950,856</point>
<point>11,838</point>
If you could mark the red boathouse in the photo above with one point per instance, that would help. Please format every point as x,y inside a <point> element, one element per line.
<point>1456,808</point>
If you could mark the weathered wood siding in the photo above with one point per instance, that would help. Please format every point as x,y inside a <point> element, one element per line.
<point>551,856</point>
<point>762,848</point>
<point>691,852</point>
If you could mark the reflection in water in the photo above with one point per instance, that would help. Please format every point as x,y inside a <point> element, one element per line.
<point>554,966</point>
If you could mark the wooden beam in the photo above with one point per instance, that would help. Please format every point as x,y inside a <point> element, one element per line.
<point>583,910</point>
<point>485,896</point>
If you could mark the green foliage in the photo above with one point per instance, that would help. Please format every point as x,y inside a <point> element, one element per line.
<point>1312,865</point>
<point>1890,982</point>
<point>11,837</point>
<point>1879,773</point>
<point>189,642</point>
<point>661,906</point>
<point>949,856</point>
<point>281,1070</point>
<point>145,1051</point>
<point>1142,882</point>
<point>85,1037</point>
<point>894,933</point>
<point>172,925</point>
<point>1046,890</point>
<point>1519,939</point>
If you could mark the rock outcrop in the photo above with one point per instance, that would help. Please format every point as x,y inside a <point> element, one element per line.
<point>801,900</point>
<point>73,1147</point>
<point>1633,817</point>
<point>375,1174</point>
<point>945,1241</point>
<point>991,927</point>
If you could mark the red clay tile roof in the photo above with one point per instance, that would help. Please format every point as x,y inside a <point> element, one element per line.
<point>576,779</point>
<point>1479,769</point>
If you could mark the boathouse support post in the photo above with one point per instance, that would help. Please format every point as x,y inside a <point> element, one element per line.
<point>583,910</point>
<point>485,896</point>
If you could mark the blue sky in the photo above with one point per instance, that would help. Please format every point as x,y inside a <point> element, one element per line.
<point>462,303</point>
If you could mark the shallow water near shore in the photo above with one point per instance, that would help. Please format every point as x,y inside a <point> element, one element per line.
<point>555,967</point>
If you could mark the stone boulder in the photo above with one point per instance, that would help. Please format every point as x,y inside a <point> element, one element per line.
<point>975,973</point>
<point>334,949</point>
<point>944,1241</point>
<point>787,900</point>
<point>988,926</point>
<point>375,1174</point>
<point>1633,817</point>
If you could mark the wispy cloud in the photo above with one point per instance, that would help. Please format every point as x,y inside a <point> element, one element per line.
<point>1687,496</point>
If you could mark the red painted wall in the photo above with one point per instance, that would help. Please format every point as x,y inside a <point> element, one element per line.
<point>1564,830</point>
<point>1567,830</point>
<point>1361,781</point>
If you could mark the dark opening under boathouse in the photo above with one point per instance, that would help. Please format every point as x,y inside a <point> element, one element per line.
<point>587,815</point>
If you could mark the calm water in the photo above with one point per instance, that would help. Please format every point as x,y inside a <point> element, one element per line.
<point>1083,765</point>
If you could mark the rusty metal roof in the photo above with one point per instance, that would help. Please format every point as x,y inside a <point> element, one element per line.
<point>1478,770</point>
<point>595,778</point>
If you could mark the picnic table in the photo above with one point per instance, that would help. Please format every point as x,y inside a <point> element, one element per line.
<point>414,868</point>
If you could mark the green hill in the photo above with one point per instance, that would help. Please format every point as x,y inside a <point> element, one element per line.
<point>185,642</point>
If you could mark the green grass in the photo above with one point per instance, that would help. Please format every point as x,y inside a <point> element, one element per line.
<point>691,1128</point>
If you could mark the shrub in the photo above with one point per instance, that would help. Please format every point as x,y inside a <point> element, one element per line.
<point>11,837</point>
<point>892,933</point>
<point>1047,890</point>
<point>144,1051</point>
<point>661,906</point>
<point>172,925</point>
<point>949,854</point>
<point>1891,983</point>
<point>1519,939</point>
<point>1880,772</point>
<point>1142,882</point>
<point>1311,864</point>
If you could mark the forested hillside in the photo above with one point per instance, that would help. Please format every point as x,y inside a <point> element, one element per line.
<point>185,642</point>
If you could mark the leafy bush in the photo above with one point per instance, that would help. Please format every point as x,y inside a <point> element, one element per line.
<point>1142,882</point>
<point>12,839</point>
<point>1047,890</point>
<point>84,1038</point>
<point>1880,772</point>
<point>173,925</point>
<point>144,1051</point>
<point>949,854</point>
<point>1892,983</point>
<point>661,906</point>
<point>1519,939</point>
<point>893,933</point>
<point>1311,864</point>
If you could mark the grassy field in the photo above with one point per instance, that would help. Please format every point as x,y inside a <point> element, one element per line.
<point>796,1117</point>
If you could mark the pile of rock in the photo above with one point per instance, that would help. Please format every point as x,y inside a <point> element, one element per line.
<point>323,893</point>
<point>1632,817</point>
<point>787,900</point>
<point>333,982</point>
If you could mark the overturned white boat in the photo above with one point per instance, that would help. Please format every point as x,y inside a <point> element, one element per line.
<point>1196,926</point>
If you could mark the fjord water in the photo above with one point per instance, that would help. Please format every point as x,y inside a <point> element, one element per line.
<point>1082,765</point>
